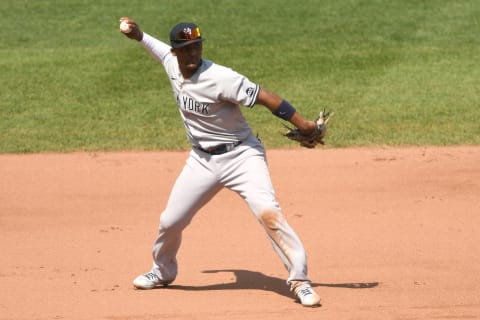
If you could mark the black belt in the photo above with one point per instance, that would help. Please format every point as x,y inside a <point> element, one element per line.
<point>220,149</point>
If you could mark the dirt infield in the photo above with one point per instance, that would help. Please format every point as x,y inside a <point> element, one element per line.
<point>391,233</point>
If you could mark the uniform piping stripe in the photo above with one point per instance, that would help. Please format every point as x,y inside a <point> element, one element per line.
<point>255,95</point>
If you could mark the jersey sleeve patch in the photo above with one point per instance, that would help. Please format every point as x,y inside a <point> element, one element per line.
<point>252,93</point>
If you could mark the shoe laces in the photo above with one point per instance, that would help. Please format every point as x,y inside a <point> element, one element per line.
<point>151,276</point>
<point>304,290</point>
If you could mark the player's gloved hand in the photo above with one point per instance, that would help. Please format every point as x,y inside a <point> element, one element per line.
<point>311,140</point>
<point>135,32</point>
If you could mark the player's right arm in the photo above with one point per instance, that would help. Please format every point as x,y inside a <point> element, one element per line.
<point>157,48</point>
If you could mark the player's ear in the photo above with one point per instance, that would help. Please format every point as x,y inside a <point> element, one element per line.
<point>172,50</point>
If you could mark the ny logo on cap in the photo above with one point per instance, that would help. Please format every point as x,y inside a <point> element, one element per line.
<point>188,34</point>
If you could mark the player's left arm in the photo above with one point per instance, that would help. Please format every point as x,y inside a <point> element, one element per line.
<point>281,108</point>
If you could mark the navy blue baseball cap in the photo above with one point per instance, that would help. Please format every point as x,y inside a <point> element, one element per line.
<point>184,34</point>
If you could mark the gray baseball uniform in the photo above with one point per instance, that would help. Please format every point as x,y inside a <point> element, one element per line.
<point>224,153</point>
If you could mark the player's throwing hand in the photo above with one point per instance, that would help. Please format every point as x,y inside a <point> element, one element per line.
<point>133,31</point>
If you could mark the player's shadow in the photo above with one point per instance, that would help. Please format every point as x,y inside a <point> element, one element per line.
<point>245,279</point>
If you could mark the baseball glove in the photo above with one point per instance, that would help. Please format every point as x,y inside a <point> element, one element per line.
<point>316,137</point>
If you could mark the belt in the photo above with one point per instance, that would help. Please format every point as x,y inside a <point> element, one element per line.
<point>220,149</point>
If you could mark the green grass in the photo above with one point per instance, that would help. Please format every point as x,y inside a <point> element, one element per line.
<point>395,72</point>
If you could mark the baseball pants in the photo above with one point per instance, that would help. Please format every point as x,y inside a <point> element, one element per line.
<point>243,170</point>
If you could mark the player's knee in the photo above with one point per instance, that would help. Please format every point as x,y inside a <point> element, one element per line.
<point>270,218</point>
<point>167,224</point>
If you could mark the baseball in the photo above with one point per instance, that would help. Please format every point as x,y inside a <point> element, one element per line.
<point>124,27</point>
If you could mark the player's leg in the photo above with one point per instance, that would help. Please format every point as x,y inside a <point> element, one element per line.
<point>194,187</point>
<point>248,175</point>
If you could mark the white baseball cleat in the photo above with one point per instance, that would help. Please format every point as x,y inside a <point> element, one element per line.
<point>149,281</point>
<point>307,296</point>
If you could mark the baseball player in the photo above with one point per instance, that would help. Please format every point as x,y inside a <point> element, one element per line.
<point>224,153</point>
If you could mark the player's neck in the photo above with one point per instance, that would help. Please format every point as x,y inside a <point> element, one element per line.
<point>189,72</point>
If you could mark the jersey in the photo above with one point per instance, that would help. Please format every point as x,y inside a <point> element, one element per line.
<point>209,101</point>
